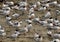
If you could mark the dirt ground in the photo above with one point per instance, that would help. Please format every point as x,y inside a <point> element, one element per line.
<point>25,38</point>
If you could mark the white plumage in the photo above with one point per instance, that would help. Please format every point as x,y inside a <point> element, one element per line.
<point>55,40</point>
<point>8,18</point>
<point>42,8</point>
<point>14,35</point>
<point>16,15</point>
<point>23,3</point>
<point>48,14</point>
<point>10,3</point>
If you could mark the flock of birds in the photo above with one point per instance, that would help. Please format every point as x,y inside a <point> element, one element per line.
<point>46,21</point>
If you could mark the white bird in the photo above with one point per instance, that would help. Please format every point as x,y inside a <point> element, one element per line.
<point>15,34</point>
<point>34,5</point>
<point>57,12</point>
<point>10,23</point>
<point>15,7</point>
<point>56,27</point>
<point>44,23</point>
<point>45,1</point>
<point>23,30</point>
<point>5,5</point>
<point>50,19</point>
<point>16,15</point>
<point>29,21</point>
<point>58,5</point>
<point>48,14</point>
<point>47,5</point>
<point>10,3</point>
<point>26,29</point>
<point>56,21</point>
<point>50,25</point>
<point>2,32</point>
<point>31,10</point>
<point>37,37</point>
<point>38,3</point>
<point>23,3</point>
<point>29,26</point>
<point>32,16</point>
<point>6,10</point>
<point>49,33</point>
<point>42,8</point>
<point>56,35</point>
<point>55,3</point>
<point>55,40</point>
<point>36,19</point>
<point>17,24</point>
<point>8,18</point>
<point>23,8</point>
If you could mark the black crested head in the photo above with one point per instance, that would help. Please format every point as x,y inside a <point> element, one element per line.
<point>7,15</point>
<point>55,18</point>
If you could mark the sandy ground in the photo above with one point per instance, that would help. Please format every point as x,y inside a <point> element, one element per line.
<point>24,38</point>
